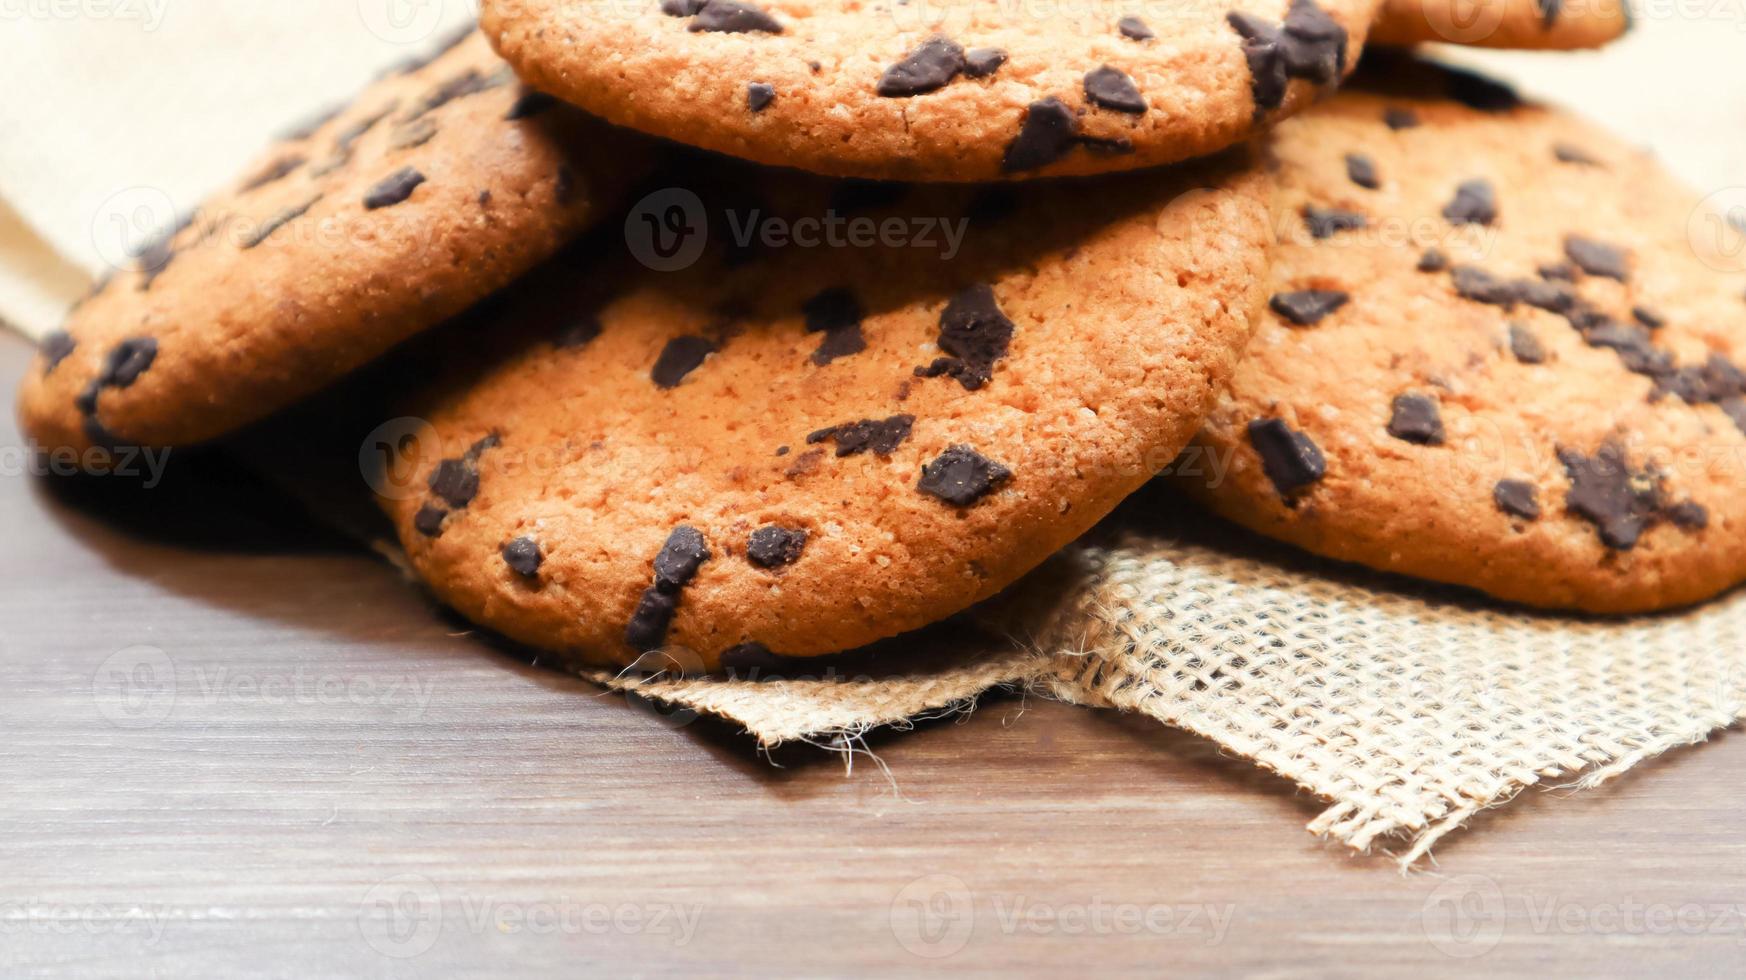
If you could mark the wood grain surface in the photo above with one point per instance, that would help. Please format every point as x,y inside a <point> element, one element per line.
<point>236,745</point>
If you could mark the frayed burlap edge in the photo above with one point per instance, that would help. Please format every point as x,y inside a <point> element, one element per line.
<point>1410,710</point>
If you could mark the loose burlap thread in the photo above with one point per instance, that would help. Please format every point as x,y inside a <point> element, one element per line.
<point>1408,708</point>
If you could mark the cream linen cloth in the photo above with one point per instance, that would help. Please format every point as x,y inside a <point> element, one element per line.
<point>119,114</point>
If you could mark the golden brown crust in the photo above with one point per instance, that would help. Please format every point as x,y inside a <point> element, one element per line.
<point>639,67</point>
<point>1129,300</point>
<point>1532,25</point>
<point>1563,377</point>
<point>290,280</point>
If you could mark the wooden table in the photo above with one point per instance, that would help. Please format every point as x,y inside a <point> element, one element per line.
<point>238,745</point>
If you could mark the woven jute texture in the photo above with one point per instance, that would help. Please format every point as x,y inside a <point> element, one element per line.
<point>1409,709</point>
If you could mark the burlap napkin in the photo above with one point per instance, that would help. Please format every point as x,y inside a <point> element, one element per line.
<point>1408,709</point>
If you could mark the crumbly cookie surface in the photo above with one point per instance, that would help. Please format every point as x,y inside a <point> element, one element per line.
<point>435,187</point>
<point>931,91</point>
<point>1531,25</point>
<point>1504,351</point>
<point>796,447</point>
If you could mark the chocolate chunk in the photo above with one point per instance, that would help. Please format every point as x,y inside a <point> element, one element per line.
<point>276,171</point>
<point>1312,43</point>
<point>456,482</point>
<point>1362,171</point>
<point>1735,408</point>
<point>523,557</point>
<point>1549,10</point>
<point>1107,146</point>
<point>1328,222</point>
<point>1558,272</point>
<point>680,558</point>
<point>961,476</point>
<point>1267,70</point>
<point>86,400</point>
<point>759,96</point>
<point>393,189</point>
<point>1309,306</point>
<point>56,346</point>
<point>1571,153</point>
<point>774,547</point>
<point>977,335</point>
<point>1433,261</point>
<point>429,520</point>
<point>1604,490</point>
<point>733,17</point>
<point>276,221</point>
<point>127,361</point>
<point>1648,317</point>
<point>1597,258</point>
<point>647,629</point>
<point>1555,297</point>
<point>750,657</point>
<point>1416,419</point>
<point>1517,499</point>
<point>1525,345</point>
<point>881,436</point>
<point>1399,119</point>
<point>680,357</point>
<point>1478,92</point>
<point>1475,204</point>
<point>928,68</point>
<point>1688,515</point>
<point>469,82</point>
<point>1633,345</point>
<point>681,8</point>
<point>1482,287</point>
<point>530,104</point>
<point>1290,459</point>
<point>837,314</point>
<point>983,62</point>
<point>1048,133</point>
<point>580,333</point>
<point>804,464</point>
<point>1110,89</point>
<point>1134,29</point>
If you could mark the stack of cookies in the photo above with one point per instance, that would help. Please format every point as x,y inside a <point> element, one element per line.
<point>729,332</point>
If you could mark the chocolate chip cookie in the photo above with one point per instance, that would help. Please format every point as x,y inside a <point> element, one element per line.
<point>863,409</point>
<point>930,91</point>
<point>437,186</point>
<point>1535,25</point>
<point>1505,350</point>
